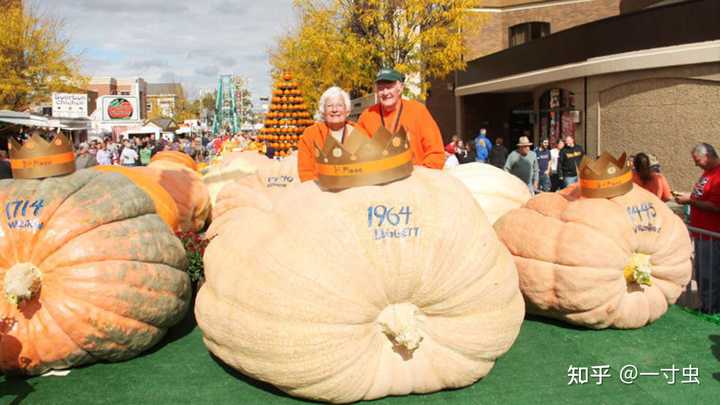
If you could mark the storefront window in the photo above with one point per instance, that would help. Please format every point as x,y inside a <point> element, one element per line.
<point>557,115</point>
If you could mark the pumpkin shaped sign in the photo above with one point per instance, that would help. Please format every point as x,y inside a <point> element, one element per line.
<point>598,262</point>
<point>361,293</point>
<point>89,272</point>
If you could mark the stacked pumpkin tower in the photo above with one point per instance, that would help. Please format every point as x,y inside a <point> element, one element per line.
<point>287,118</point>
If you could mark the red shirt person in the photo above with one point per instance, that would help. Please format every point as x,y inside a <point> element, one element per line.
<point>393,112</point>
<point>705,196</point>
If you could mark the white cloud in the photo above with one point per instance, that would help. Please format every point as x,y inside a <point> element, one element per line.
<point>186,39</point>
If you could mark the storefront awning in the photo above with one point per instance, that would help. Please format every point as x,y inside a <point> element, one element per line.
<point>688,54</point>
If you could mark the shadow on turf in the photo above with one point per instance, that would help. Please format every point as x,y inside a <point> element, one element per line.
<point>269,388</point>
<point>715,339</point>
<point>555,322</point>
<point>16,386</point>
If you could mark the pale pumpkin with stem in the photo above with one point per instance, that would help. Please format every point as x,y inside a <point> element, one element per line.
<point>597,262</point>
<point>89,272</point>
<point>329,297</point>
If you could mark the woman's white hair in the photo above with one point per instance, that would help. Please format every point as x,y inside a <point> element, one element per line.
<point>333,92</point>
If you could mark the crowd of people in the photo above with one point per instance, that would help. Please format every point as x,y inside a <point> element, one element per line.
<point>543,168</point>
<point>135,151</point>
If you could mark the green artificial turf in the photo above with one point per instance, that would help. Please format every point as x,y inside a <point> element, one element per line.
<point>534,371</point>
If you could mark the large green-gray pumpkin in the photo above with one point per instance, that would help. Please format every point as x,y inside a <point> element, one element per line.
<point>88,271</point>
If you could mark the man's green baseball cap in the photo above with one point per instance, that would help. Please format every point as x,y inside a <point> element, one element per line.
<point>389,75</point>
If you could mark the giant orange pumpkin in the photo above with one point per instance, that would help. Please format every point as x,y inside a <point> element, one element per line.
<point>88,271</point>
<point>177,157</point>
<point>598,262</point>
<point>186,188</point>
<point>362,293</point>
<point>164,204</point>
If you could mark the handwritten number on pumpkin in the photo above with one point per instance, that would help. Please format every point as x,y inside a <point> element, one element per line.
<point>383,213</point>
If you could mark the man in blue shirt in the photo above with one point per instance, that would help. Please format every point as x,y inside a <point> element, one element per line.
<point>483,146</point>
<point>543,157</point>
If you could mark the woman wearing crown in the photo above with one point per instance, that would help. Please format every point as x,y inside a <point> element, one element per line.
<point>334,107</point>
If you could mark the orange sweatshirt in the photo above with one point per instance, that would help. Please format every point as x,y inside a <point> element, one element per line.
<point>425,139</point>
<point>313,136</point>
<point>657,185</point>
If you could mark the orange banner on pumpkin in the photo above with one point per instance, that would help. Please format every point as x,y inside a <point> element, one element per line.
<point>29,163</point>
<point>598,184</point>
<point>365,167</point>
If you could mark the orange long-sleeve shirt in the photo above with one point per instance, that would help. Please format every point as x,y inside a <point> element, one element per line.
<point>657,185</point>
<point>425,138</point>
<point>313,136</point>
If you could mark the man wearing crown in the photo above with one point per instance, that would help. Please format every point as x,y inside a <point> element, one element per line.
<point>392,112</point>
<point>334,106</point>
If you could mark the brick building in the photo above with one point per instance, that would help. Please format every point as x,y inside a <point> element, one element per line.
<point>106,86</point>
<point>618,75</point>
<point>163,96</point>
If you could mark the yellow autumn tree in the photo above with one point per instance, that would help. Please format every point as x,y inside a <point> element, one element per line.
<point>34,59</point>
<point>345,42</point>
<point>319,54</point>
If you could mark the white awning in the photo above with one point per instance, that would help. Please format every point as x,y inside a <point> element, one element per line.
<point>687,54</point>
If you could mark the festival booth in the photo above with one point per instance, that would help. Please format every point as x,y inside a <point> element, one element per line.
<point>146,130</point>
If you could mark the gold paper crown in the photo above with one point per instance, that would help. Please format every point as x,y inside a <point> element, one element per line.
<point>605,177</point>
<point>37,158</point>
<point>363,161</point>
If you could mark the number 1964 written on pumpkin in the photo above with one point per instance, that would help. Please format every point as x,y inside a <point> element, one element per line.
<point>387,223</point>
<point>23,214</point>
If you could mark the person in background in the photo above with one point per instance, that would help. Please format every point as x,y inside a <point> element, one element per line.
<point>146,152</point>
<point>83,158</point>
<point>568,161</point>
<point>450,147</point>
<point>555,183</point>
<point>392,112</point>
<point>5,170</point>
<point>704,202</point>
<point>463,153</point>
<point>523,163</point>
<point>543,156</point>
<point>498,154</point>
<point>483,146</point>
<point>652,181</point>
<point>103,155</point>
<point>451,161</point>
<point>128,156</point>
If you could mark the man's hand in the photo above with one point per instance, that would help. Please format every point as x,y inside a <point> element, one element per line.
<point>682,198</point>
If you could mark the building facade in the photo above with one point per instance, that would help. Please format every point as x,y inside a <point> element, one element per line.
<point>163,96</point>
<point>643,77</point>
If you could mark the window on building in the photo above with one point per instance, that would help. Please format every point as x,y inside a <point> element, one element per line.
<point>125,93</point>
<point>526,32</point>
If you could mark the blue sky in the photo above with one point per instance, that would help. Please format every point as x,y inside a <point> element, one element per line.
<point>182,40</point>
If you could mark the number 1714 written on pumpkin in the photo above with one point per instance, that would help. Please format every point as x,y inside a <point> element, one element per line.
<point>23,214</point>
<point>397,222</point>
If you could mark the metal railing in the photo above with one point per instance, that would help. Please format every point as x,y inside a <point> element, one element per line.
<point>703,291</point>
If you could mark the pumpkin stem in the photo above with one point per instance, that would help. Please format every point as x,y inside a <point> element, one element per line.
<point>22,281</point>
<point>638,269</point>
<point>399,322</point>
